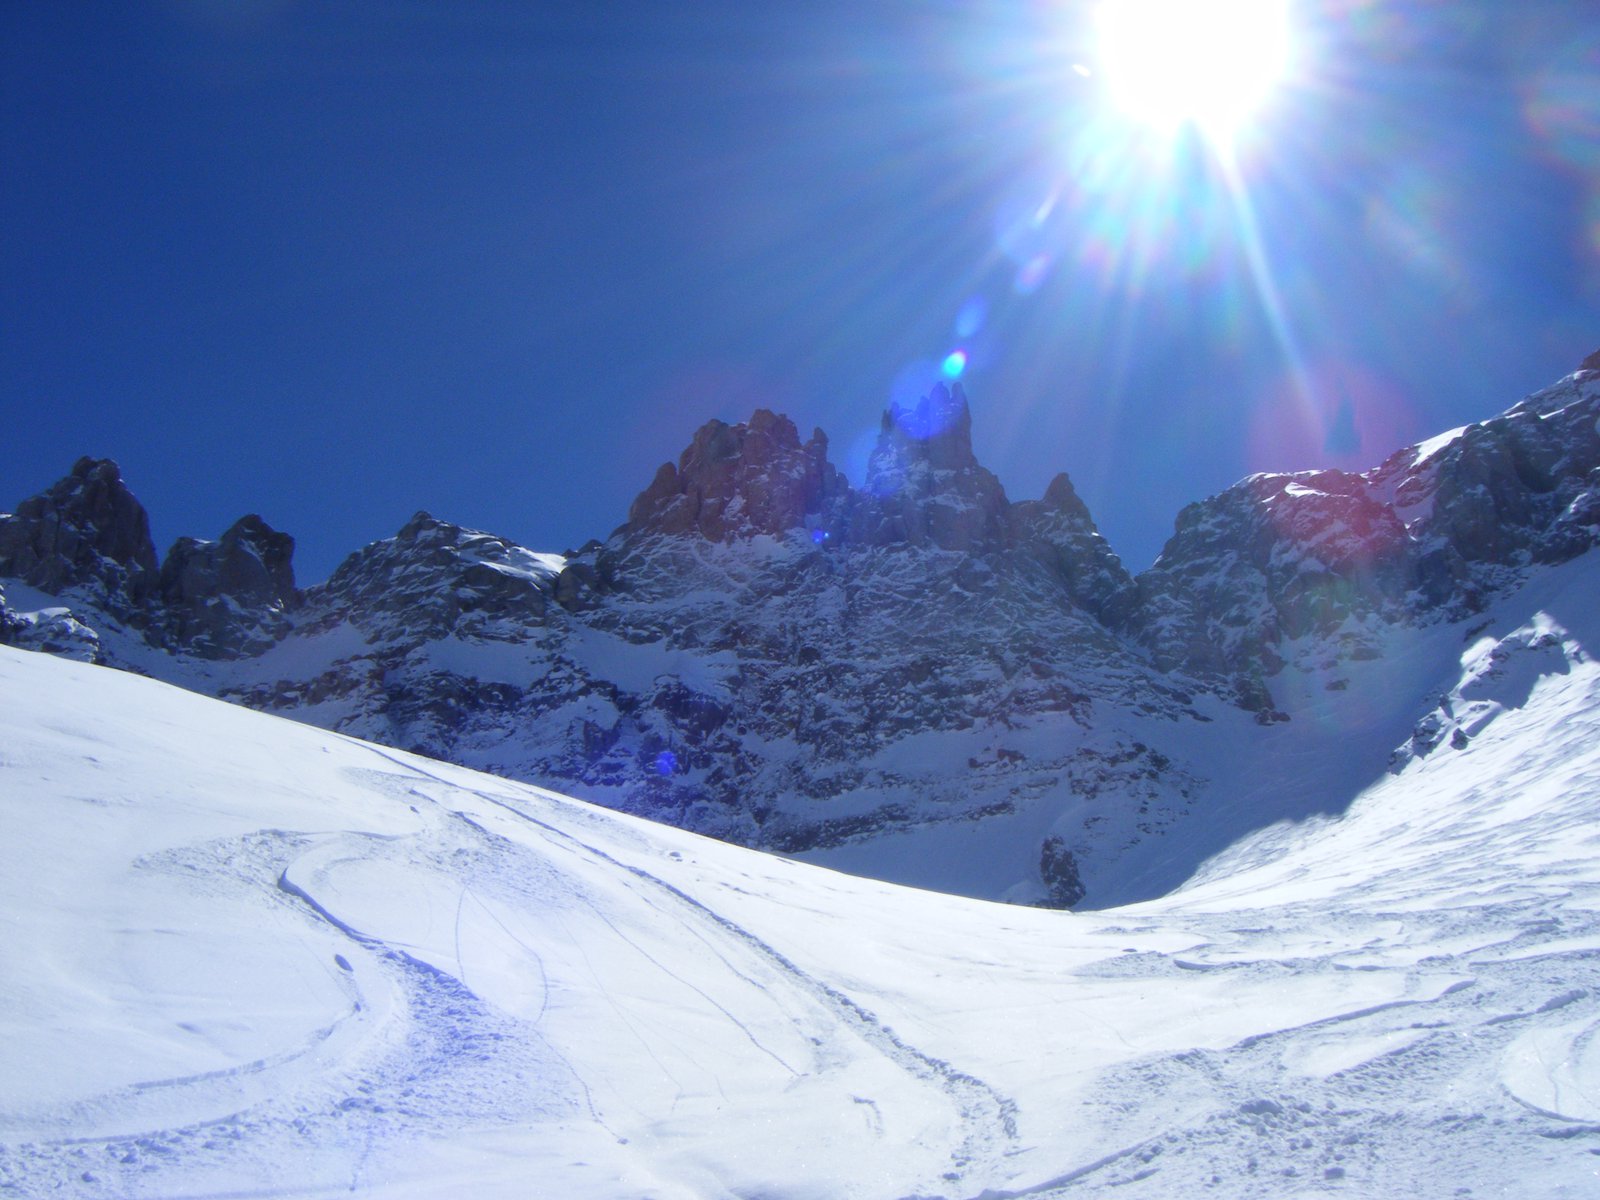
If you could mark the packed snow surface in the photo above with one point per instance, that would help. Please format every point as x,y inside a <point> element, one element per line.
<point>244,957</point>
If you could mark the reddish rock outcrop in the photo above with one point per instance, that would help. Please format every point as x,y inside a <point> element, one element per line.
<point>737,481</point>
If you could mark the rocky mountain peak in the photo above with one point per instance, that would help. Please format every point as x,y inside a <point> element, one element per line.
<point>86,529</point>
<point>937,431</point>
<point>1325,558</point>
<point>925,486</point>
<point>228,598</point>
<point>738,481</point>
<point>433,578</point>
<point>1061,497</point>
<point>1059,530</point>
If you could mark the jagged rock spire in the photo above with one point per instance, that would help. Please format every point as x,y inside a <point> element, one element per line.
<point>87,529</point>
<point>924,485</point>
<point>935,433</point>
<point>740,480</point>
<point>1059,530</point>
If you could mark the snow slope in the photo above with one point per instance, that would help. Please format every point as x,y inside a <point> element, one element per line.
<point>245,957</point>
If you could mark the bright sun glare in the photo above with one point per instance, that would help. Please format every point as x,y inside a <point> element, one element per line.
<point>1206,62</point>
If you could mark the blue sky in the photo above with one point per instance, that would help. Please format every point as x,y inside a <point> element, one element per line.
<point>336,262</point>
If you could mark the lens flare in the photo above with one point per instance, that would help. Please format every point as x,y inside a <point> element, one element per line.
<point>971,317</point>
<point>1174,62</point>
<point>1409,215</point>
<point>1562,107</point>
<point>1021,226</point>
<point>1332,414</point>
<point>1032,273</point>
<point>954,363</point>
<point>914,381</point>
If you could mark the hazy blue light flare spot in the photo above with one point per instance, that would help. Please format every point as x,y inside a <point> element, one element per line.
<point>972,316</point>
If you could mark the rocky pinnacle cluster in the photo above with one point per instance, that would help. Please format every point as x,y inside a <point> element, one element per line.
<point>770,654</point>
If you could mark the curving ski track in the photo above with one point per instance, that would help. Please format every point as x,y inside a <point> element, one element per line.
<point>987,1118</point>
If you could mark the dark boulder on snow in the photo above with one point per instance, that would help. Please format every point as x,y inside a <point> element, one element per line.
<point>11,625</point>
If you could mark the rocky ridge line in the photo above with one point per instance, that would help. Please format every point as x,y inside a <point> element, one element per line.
<point>767,654</point>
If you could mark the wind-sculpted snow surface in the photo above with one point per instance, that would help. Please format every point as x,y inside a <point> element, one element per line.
<point>249,957</point>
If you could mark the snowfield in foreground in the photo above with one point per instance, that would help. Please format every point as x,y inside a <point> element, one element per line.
<point>244,957</point>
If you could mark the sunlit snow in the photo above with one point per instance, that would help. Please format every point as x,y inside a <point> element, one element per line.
<point>248,957</point>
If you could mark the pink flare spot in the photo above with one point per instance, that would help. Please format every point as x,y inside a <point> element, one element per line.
<point>1032,274</point>
<point>1336,415</point>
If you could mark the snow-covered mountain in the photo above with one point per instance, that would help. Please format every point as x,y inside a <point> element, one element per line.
<point>247,957</point>
<point>917,679</point>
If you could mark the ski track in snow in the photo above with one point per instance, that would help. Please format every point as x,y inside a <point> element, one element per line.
<point>986,1117</point>
<point>253,959</point>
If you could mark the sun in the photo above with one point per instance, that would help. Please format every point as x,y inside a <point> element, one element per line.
<point>1206,63</point>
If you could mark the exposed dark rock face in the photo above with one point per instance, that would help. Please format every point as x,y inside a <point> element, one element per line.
<point>737,481</point>
<point>833,651</point>
<point>1274,558</point>
<point>434,579</point>
<point>51,631</point>
<point>922,603</point>
<point>87,532</point>
<point>87,540</point>
<point>10,623</point>
<point>924,487</point>
<point>1059,870</point>
<point>229,598</point>
<point>419,621</point>
<point>1517,489</point>
<point>1060,533</point>
<point>1429,535</point>
<point>766,654</point>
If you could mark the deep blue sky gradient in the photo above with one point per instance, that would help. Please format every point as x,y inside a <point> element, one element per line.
<point>336,262</point>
